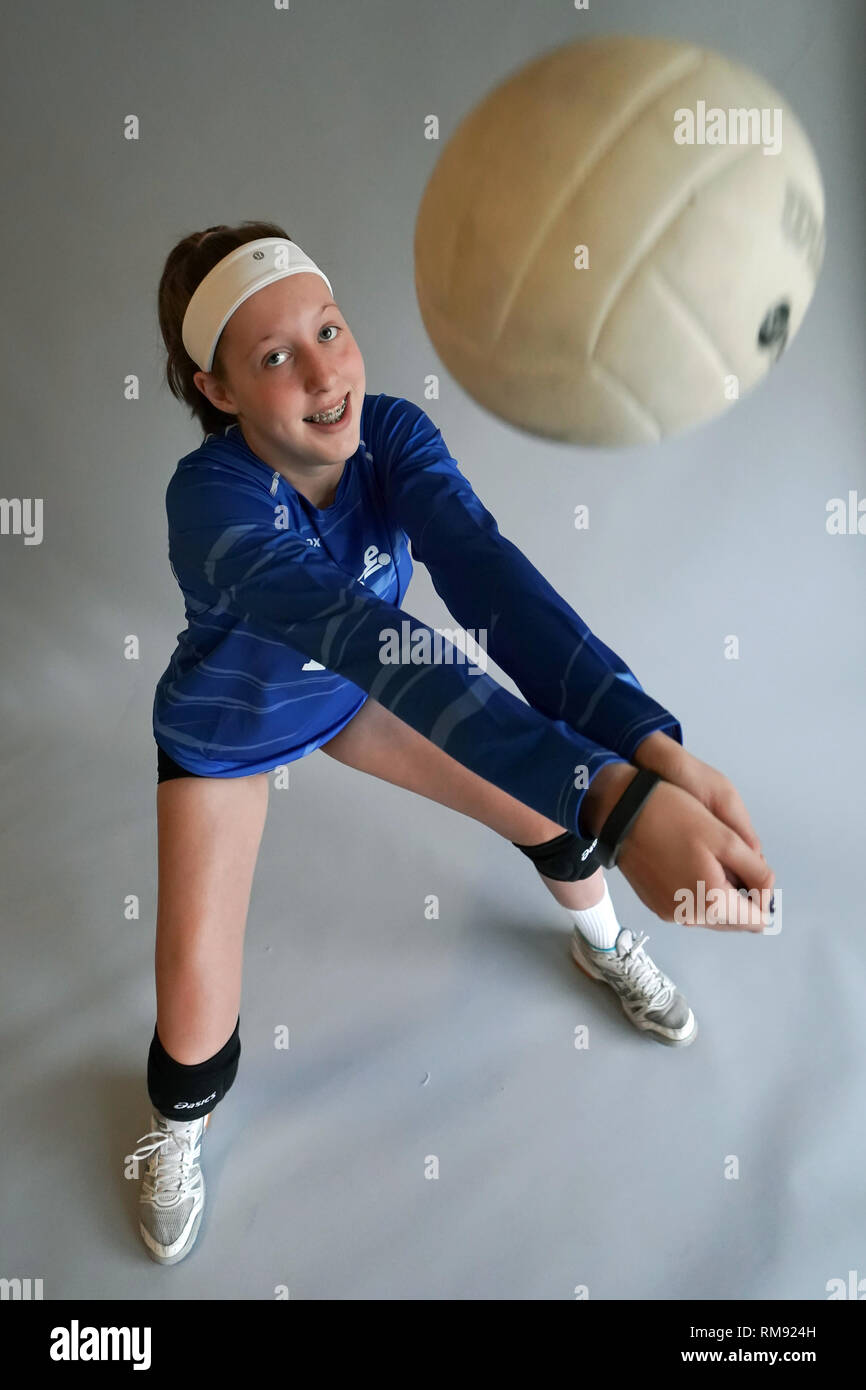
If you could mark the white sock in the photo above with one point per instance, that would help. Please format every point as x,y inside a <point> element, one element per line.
<point>598,924</point>
<point>175,1124</point>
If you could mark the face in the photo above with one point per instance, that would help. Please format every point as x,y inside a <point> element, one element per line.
<point>286,357</point>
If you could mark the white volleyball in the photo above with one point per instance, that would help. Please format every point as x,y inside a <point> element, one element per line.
<point>619,240</point>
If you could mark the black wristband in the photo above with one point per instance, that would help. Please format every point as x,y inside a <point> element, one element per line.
<point>619,822</point>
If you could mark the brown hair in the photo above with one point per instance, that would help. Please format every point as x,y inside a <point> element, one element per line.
<point>187,264</point>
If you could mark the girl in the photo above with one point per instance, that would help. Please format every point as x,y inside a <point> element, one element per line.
<point>289,532</point>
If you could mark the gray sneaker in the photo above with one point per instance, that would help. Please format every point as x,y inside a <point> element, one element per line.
<point>649,998</point>
<point>171,1201</point>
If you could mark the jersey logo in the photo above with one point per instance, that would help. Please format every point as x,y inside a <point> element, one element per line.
<point>374,559</point>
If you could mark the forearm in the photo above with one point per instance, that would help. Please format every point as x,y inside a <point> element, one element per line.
<point>559,665</point>
<point>660,753</point>
<point>602,794</point>
<point>657,753</point>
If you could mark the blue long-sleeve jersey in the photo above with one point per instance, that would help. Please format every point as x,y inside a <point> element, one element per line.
<point>288,607</point>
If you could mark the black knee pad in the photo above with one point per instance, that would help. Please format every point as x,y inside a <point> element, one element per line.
<point>183,1092</point>
<point>567,857</point>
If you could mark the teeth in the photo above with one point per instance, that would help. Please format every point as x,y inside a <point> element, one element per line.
<point>329,415</point>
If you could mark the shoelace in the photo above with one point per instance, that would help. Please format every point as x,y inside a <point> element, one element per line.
<point>642,974</point>
<point>172,1178</point>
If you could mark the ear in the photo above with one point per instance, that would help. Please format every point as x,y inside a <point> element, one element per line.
<point>210,386</point>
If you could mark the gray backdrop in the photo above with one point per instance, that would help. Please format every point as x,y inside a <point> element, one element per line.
<point>559,1167</point>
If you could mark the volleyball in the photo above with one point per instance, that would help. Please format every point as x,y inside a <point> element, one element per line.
<point>619,241</point>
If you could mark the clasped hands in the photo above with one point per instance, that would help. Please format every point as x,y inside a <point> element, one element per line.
<point>692,852</point>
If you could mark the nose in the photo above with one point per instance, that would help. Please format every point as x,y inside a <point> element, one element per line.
<point>321,386</point>
<point>318,365</point>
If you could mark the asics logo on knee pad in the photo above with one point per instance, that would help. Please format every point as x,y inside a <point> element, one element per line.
<point>562,858</point>
<point>192,1104</point>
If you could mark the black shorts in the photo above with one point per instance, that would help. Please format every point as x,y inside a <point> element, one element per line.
<point>167,768</point>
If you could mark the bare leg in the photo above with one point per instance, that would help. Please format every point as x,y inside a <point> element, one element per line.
<point>376,741</point>
<point>586,892</point>
<point>209,832</point>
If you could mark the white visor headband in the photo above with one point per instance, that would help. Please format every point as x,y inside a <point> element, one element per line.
<point>232,280</point>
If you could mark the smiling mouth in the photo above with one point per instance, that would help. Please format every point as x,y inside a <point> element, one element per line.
<point>331,414</point>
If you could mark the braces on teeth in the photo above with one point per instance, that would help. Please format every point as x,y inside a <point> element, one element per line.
<point>334,414</point>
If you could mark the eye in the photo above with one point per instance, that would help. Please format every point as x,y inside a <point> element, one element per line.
<point>276,352</point>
